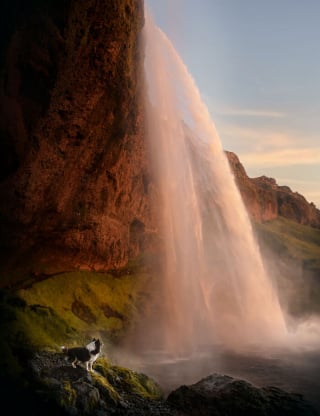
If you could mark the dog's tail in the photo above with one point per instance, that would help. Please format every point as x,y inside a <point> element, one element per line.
<point>64,349</point>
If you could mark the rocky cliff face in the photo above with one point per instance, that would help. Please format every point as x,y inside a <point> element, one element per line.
<point>265,200</point>
<point>74,179</point>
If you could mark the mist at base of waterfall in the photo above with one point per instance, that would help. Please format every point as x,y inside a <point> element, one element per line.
<point>293,370</point>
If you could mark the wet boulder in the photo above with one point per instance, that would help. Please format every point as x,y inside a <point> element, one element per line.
<point>222,395</point>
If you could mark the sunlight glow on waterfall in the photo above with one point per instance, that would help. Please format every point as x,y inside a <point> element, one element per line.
<point>214,288</point>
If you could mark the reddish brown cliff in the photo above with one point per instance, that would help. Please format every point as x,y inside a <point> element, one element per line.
<point>265,200</point>
<point>74,179</point>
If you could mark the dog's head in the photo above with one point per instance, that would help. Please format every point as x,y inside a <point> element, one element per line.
<point>98,345</point>
<point>94,345</point>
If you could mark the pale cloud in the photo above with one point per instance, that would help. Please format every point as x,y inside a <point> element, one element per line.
<point>311,196</point>
<point>272,143</point>
<point>217,109</point>
<point>256,139</point>
<point>250,112</point>
<point>282,157</point>
<point>293,182</point>
<point>308,188</point>
<point>314,196</point>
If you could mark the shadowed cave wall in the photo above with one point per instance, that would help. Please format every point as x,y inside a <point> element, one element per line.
<point>75,186</point>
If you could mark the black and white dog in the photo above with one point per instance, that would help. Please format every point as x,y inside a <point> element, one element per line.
<point>87,354</point>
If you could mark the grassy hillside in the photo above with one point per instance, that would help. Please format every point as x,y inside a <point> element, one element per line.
<point>292,239</point>
<point>292,251</point>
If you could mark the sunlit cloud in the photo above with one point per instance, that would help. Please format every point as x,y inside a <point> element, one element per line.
<point>274,144</point>
<point>313,196</point>
<point>255,139</point>
<point>226,110</point>
<point>309,189</point>
<point>250,112</point>
<point>282,157</point>
<point>304,182</point>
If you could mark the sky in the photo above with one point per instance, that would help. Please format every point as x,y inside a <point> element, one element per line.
<point>257,66</point>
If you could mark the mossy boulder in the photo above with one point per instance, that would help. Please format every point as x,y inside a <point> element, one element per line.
<point>130,381</point>
<point>108,390</point>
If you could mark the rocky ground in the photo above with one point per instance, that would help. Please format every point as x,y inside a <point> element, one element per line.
<point>55,387</point>
<point>220,395</point>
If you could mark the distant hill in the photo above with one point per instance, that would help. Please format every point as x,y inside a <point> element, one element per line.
<point>288,230</point>
<point>265,200</point>
<point>291,252</point>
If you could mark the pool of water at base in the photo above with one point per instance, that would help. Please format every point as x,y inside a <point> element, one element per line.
<point>293,371</point>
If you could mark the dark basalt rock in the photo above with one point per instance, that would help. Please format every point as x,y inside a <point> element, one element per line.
<point>221,395</point>
<point>54,387</point>
<point>110,390</point>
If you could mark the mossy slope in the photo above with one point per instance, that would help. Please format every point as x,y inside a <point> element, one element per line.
<point>292,253</point>
<point>61,389</point>
<point>88,301</point>
<point>292,239</point>
<point>69,309</point>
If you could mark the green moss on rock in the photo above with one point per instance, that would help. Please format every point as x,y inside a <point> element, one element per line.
<point>68,309</point>
<point>106,389</point>
<point>75,391</point>
<point>68,396</point>
<point>129,381</point>
<point>84,301</point>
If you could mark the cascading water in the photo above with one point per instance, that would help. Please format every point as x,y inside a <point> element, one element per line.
<point>214,288</point>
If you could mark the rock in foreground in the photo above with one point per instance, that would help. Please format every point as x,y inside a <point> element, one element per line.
<point>57,388</point>
<point>221,395</point>
<point>54,387</point>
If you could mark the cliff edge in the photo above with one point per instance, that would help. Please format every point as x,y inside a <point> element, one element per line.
<point>265,200</point>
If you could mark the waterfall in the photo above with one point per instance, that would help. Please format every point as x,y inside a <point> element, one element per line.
<point>214,288</point>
